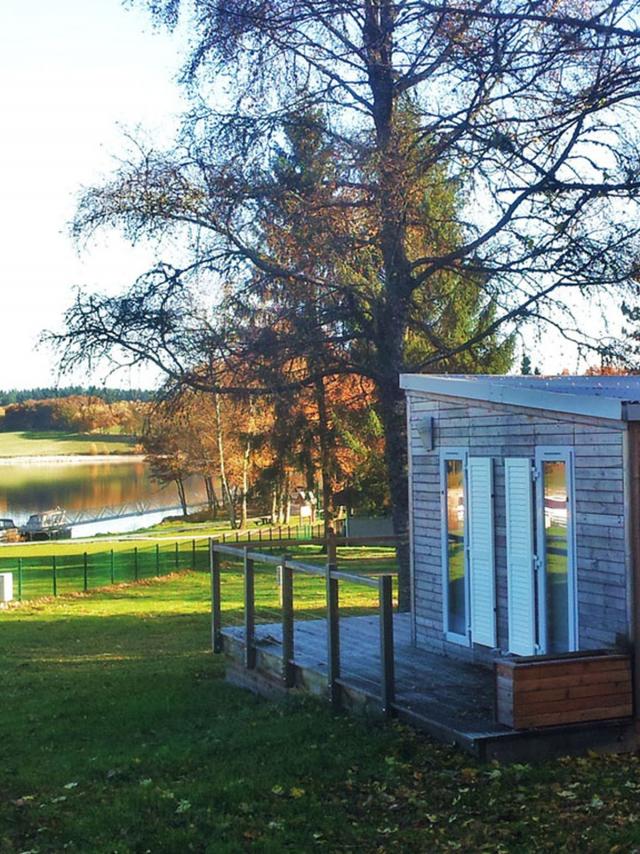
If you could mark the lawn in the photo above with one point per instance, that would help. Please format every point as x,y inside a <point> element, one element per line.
<point>120,735</point>
<point>36,574</point>
<point>55,442</point>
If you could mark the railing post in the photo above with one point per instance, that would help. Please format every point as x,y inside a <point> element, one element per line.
<point>112,568</point>
<point>216,609</point>
<point>387,664</point>
<point>333,625</point>
<point>20,579</point>
<point>54,576</point>
<point>157,558</point>
<point>85,572</point>
<point>288,650</point>
<point>249,613</point>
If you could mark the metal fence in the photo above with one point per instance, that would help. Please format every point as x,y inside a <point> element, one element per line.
<point>70,569</point>
<point>79,571</point>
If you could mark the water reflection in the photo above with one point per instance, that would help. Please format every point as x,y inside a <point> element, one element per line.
<point>79,487</point>
<point>455,548</point>
<point>556,555</point>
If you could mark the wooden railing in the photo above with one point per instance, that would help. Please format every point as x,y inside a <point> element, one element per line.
<point>383,582</point>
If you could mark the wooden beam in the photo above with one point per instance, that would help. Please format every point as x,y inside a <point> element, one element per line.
<point>288,651</point>
<point>216,605</point>
<point>634,522</point>
<point>249,613</point>
<point>333,635</point>
<point>387,661</point>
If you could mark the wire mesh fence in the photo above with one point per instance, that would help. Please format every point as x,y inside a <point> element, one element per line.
<point>41,574</point>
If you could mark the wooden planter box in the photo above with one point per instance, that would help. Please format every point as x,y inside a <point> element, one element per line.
<point>551,691</point>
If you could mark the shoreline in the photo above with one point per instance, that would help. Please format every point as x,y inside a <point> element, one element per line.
<point>76,459</point>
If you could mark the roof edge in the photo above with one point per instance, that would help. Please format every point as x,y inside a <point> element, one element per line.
<point>483,389</point>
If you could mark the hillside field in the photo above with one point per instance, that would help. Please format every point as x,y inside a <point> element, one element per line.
<point>56,442</point>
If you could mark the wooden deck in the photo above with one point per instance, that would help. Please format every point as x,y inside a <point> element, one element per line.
<point>451,700</point>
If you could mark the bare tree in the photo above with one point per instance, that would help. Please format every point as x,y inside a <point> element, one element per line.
<point>528,109</point>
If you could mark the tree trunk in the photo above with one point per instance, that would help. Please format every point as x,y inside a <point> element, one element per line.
<point>287,500</point>
<point>391,322</point>
<point>226,492</point>
<point>212,501</point>
<point>245,484</point>
<point>392,411</point>
<point>182,496</point>
<point>326,455</point>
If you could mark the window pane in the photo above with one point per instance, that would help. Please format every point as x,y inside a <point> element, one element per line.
<point>556,503</point>
<point>455,548</point>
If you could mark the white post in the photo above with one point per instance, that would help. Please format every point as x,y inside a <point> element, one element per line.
<point>6,588</point>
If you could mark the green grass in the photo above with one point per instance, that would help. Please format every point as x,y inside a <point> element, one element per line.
<point>55,442</point>
<point>120,735</point>
<point>33,572</point>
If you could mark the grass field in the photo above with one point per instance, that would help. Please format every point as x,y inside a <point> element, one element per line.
<point>54,443</point>
<point>34,574</point>
<point>120,735</point>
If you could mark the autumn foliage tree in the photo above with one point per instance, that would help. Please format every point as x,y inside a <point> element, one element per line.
<point>477,162</point>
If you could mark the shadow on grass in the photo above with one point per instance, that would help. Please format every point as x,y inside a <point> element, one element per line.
<point>121,734</point>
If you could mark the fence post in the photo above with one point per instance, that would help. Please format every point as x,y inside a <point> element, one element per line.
<point>157,558</point>
<point>288,650</point>
<point>216,609</point>
<point>249,613</point>
<point>85,572</point>
<point>112,568</point>
<point>54,576</point>
<point>135,563</point>
<point>20,579</point>
<point>333,625</point>
<point>388,687</point>
<point>193,554</point>
<point>177,556</point>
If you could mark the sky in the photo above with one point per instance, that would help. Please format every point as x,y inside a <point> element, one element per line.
<point>74,75</point>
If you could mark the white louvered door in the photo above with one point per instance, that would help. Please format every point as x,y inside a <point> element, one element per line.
<point>520,556</point>
<point>481,550</point>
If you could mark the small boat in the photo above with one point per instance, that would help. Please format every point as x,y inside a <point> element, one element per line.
<point>51,525</point>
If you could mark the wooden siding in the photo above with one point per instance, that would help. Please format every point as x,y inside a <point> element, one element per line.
<point>500,431</point>
<point>568,690</point>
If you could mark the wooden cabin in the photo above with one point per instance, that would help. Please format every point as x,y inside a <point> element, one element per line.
<point>523,635</point>
<point>525,522</point>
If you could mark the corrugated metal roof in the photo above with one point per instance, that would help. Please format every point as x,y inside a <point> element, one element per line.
<point>614,397</point>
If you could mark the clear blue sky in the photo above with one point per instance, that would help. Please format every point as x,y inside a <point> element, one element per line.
<point>74,74</point>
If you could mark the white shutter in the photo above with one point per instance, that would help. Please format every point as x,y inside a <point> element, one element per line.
<point>481,550</point>
<point>520,555</point>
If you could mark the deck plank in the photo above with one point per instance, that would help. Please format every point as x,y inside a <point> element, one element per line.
<point>455,693</point>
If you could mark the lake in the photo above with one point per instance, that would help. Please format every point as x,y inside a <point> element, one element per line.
<point>83,487</point>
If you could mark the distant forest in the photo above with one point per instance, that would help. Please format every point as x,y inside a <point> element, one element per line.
<point>78,413</point>
<point>109,395</point>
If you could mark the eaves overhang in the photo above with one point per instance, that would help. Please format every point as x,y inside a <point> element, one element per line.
<point>484,389</point>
